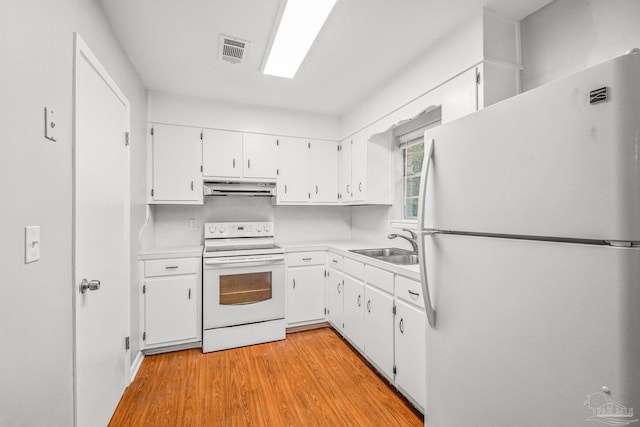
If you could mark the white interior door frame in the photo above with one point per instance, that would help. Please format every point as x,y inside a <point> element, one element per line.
<point>82,50</point>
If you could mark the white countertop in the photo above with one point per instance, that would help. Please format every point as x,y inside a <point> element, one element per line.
<point>172,252</point>
<point>342,247</point>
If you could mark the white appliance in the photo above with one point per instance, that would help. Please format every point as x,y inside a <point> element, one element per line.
<point>243,285</point>
<point>530,257</point>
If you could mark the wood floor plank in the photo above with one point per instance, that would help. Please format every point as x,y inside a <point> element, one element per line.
<point>313,378</point>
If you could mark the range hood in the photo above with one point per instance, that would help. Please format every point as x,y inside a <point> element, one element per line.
<point>260,189</point>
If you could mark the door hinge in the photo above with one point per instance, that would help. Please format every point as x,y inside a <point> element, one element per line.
<point>152,131</point>
<point>144,336</point>
<point>201,136</point>
<point>395,370</point>
<point>126,139</point>
<point>144,289</point>
<point>394,308</point>
<point>152,192</point>
<point>126,343</point>
<point>477,77</point>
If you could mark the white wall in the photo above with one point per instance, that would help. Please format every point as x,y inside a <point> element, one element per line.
<point>36,66</point>
<point>292,223</point>
<point>567,36</point>
<point>174,109</point>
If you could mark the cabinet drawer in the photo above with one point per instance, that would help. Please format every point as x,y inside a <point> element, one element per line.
<point>354,268</point>
<point>379,278</point>
<point>335,261</point>
<point>171,267</point>
<point>296,259</point>
<point>409,291</point>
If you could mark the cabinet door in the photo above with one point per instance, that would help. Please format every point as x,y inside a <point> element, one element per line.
<point>222,154</point>
<point>410,351</point>
<point>171,309</point>
<point>324,171</point>
<point>358,167</point>
<point>378,315</point>
<point>260,156</point>
<point>345,188</point>
<point>176,164</point>
<point>305,294</point>
<point>354,311</point>
<point>293,181</point>
<point>460,96</point>
<point>335,289</point>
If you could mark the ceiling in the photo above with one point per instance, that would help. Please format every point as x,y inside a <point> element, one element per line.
<point>174,46</point>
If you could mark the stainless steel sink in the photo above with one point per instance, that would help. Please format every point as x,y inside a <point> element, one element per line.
<point>392,255</point>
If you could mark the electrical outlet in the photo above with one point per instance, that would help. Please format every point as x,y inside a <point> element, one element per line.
<point>31,243</point>
<point>193,224</point>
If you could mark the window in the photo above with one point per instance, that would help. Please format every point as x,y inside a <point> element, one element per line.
<point>413,155</point>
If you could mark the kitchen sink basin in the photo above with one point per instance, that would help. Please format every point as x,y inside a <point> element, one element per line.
<point>392,255</point>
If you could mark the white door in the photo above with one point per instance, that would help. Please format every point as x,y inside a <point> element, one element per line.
<point>171,311</point>
<point>324,171</point>
<point>354,311</point>
<point>305,294</point>
<point>101,240</point>
<point>358,167</point>
<point>410,351</point>
<point>378,315</point>
<point>260,156</point>
<point>344,186</point>
<point>335,290</point>
<point>176,164</point>
<point>221,153</point>
<point>293,182</point>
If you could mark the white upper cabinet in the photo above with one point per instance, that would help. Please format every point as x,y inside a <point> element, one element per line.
<point>345,189</point>
<point>293,181</point>
<point>324,171</point>
<point>460,96</point>
<point>176,161</point>
<point>358,167</point>
<point>308,171</point>
<point>260,157</point>
<point>221,154</point>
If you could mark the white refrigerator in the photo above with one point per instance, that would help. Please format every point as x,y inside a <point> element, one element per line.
<point>530,256</point>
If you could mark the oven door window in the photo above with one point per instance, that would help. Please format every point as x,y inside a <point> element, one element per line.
<point>248,288</point>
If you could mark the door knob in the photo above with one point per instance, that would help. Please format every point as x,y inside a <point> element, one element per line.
<point>92,285</point>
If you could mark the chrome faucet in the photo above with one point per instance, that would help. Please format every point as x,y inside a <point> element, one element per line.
<point>411,239</point>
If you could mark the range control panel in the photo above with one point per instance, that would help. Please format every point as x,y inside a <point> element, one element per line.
<point>226,230</point>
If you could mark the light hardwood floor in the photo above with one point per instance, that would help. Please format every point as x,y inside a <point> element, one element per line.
<point>312,378</point>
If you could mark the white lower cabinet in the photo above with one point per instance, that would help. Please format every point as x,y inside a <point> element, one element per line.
<point>410,351</point>
<point>171,293</point>
<point>305,294</point>
<point>378,342</point>
<point>353,314</point>
<point>335,292</point>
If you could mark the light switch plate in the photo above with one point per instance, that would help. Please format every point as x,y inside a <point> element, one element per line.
<point>31,243</point>
<point>50,131</point>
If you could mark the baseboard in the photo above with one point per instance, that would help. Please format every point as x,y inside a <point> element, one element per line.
<point>133,371</point>
<point>310,327</point>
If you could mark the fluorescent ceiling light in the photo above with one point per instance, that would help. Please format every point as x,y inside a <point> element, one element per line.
<point>300,24</point>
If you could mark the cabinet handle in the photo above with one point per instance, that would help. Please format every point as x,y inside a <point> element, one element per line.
<point>413,294</point>
<point>294,283</point>
<point>285,189</point>
<point>171,267</point>
<point>248,163</point>
<point>338,287</point>
<point>189,293</point>
<point>316,189</point>
<point>401,326</point>
<point>335,261</point>
<point>306,259</point>
<point>360,186</point>
<point>347,188</point>
<point>369,306</point>
<point>359,303</point>
<point>191,185</point>
<point>234,163</point>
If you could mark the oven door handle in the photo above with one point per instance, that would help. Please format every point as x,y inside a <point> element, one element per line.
<point>244,261</point>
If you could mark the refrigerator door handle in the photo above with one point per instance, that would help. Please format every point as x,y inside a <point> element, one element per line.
<point>431,314</point>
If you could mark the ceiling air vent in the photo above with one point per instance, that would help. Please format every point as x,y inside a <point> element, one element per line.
<point>233,50</point>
